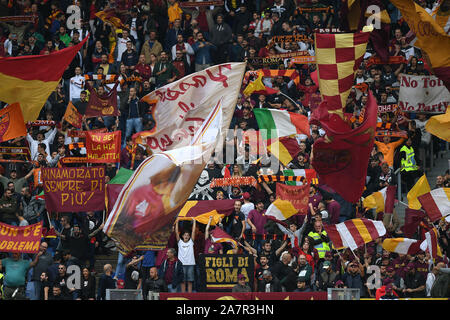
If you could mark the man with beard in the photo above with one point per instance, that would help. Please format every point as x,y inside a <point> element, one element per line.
<point>164,71</point>
<point>32,208</point>
<point>234,224</point>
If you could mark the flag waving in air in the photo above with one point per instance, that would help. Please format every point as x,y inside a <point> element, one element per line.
<point>354,233</point>
<point>29,80</point>
<point>431,36</point>
<point>279,123</point>
<point>401,245</point>
<point>151,199</point>
<point>12,124</point>
<point>436,203</point>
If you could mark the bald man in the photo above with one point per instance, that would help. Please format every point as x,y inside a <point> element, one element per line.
<point>106,281</point>
<point>153,283</point>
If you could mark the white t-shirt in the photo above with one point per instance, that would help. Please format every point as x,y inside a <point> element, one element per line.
<point>186,252</point>
<point>121,47</point>
<point>245,209</point>
<point>76,86</point>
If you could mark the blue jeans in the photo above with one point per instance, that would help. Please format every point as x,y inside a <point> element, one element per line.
<point>133,123</point>
<point>173,290</point>
<point>121,267</point>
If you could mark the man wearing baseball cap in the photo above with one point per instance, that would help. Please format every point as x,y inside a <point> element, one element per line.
<point>414,282</point>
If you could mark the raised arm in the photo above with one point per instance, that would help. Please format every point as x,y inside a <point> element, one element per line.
<point>207,228</point>
<point>194,226</point>
<point>177,233</point>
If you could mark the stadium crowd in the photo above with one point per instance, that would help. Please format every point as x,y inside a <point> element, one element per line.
<point>161,42</point>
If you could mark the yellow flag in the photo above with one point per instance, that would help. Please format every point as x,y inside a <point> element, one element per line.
<point>421,187</point>
<point>440,125</point>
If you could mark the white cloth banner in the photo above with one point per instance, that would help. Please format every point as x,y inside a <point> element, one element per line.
<point>183,105</point>
<point>423,94</point>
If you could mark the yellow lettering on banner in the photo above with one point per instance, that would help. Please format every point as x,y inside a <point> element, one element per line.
<point>4,230</point>
<point>36,246</point>
<point>207,260</point>
<point>38,230</point>
<point>15,246</point>
<point>231,275</point>
<point>242,261</point>
<point>3,245</point>
<point>26,232</point>
<point>28,246</point>
<point>10,245</point>
<point>64,198</point>
<point>210,275</point>
<point>244,272</point>
<point>220,276</point>
<point>21,245</point>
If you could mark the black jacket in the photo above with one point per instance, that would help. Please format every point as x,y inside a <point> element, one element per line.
<point>157,285</point>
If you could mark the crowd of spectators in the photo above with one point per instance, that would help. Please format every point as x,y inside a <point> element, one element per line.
<point>160,43</point>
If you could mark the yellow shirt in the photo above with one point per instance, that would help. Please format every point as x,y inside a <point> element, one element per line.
<point>388,150</point>
<point>174,12</point>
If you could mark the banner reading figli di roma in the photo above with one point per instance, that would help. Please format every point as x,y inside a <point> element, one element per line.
<point>25,239</point>
<point>219,272</point>
<point>103,147</point>
<point>74,189</point>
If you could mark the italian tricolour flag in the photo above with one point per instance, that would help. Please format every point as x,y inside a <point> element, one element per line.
<point>275,123</point>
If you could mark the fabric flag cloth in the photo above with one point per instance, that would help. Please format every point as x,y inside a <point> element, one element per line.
<point>309,174</point>
<point>356,15</point>
<point>298,196</point>
<point>29,80</point>
<point>181,106</point>
<point>341,157</point>
<point>12,124</point>
<point>102,106</point>
<point>439,125</point>
<point>354,233</point>
<point>274,123</point>
<point>436,203</point>
<point>203,209</point>
<point>431,244</point>
<point>401,245</point>
<point>431,37</point>
<point>110,16</point>
<point>149,202</point>
<point>72,116</point>
<point>421,187</point>
<point>285,149</point>
<point>412,221</point>
<point>337,58</point>
<point>382,200</point>
<point>115,185</point>
<point>219,235</point>
<point>281,210</point>
<point>258,87</point>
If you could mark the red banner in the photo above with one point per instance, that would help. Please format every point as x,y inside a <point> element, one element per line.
<point>297,195</point>
<point>103,147</point>
<point>20,239</point>
<point>101,106</point>
<point>321,295</point>
<point>74,189</point>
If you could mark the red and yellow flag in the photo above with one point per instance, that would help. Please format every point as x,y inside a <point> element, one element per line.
<point>337,57</point>
<point>12,124</point>
<point>431,37</point>
<point>72,116</point>
<point>29,80</point>
<point>110,16</point>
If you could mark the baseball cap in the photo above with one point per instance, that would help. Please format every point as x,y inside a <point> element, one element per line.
<point>241,277</point>
<point>410,266</point>
<point>301,279</point>
<point>390,269</point>
<point>326,265</point>
<point>246,195</point>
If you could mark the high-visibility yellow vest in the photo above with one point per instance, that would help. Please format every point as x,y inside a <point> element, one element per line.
<point>408,164</point>
<point>323,247</point>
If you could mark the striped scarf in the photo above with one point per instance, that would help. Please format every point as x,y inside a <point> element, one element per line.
<point>280,178</point>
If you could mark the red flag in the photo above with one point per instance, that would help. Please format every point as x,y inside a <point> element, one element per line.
<point>12,124</point>
<point>218,235</point>
<point>342,156</point>
<point>412,221</point>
